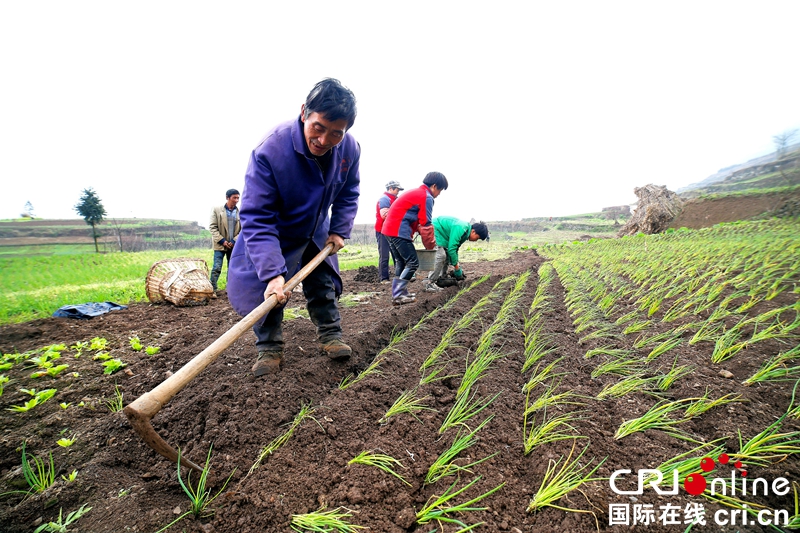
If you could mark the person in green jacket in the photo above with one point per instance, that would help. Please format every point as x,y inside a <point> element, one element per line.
<point>450,234</point>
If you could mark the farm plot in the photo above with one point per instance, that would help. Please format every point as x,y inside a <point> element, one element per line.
<point>506,403</point>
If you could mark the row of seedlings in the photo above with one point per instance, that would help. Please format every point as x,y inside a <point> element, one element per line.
<point>752,268</point>
<point>540,428</point>
<point>340,517</point>
<point>445,507</point>
<point>468,407</point>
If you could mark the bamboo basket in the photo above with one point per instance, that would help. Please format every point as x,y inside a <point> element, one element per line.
<point>181,280</point>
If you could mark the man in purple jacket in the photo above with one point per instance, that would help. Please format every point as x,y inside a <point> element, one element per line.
<point>303,169</point>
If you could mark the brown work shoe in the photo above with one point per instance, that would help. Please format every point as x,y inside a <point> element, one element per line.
<point>336,349</point>
<point>268,363</point>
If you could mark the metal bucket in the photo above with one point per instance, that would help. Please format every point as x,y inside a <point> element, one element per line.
<point>427,258</point>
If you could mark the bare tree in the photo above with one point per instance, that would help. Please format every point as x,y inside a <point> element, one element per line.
<point>362,234</point>
<point>782,141</point>
<point>117,225</point>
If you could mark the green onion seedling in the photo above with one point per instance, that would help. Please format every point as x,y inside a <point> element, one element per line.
<point>61,525</point>
<point>115,404</point>
<point>39,474</point>
<point>322,520</point>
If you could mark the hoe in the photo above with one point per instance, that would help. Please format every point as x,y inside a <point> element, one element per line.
<point>141,412</point>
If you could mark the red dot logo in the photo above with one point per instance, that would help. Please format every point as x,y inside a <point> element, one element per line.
<point>707,464</point>
<point>695,484</point>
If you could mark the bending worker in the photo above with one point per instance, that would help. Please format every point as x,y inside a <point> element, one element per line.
<point>451,233</point>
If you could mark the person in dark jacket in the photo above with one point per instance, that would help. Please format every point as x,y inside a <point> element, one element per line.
<point>411,213</point>
<point>393,188</point>
<point>301,171</point>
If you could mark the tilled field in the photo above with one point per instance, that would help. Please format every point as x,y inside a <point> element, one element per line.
<point>130,488</point>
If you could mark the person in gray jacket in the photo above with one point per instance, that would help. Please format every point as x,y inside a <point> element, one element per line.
<point>224,227</point>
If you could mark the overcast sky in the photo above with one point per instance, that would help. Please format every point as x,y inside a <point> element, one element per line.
<point>529,108</point>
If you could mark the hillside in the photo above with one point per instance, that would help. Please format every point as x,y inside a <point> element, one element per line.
<point>762,173</point>
<point>708,211</point>
<point>43,236</point>
<point>762,187</point>
<point>736,170</point>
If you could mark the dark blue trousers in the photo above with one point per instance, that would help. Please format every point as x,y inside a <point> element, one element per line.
<point>319,290</point>
<point>405,255</point>
<point>384,251</point>
<point>216,269</point>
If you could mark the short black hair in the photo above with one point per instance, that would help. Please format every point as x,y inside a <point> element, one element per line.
<point>332,100</point>
<point>435,178</point>
<point>230,192</point>
<point>481,229</point>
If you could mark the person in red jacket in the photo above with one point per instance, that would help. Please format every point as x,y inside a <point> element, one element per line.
<point>411,213</point>
<point>393,188</point>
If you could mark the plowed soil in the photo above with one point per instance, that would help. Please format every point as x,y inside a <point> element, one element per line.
<point>705,212</point>
<point>131,488</point>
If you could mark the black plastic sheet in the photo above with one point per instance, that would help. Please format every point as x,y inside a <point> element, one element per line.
<point>87,310</point>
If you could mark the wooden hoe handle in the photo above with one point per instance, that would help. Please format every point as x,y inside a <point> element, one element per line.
<point>143,409</point>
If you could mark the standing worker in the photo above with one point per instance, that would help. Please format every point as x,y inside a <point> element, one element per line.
<point>411,212</point>
<point>303,169</point>
<point>450,234</point>
<point>224,227</point>
<point>393,188</point>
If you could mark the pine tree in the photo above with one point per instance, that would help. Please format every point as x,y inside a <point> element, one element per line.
<point>91,209</point>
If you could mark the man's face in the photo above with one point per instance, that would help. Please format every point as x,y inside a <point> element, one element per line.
<point>473,236</point>
<point>394,191</point>
<point>322,134</point>
<point>233,200</point>
<point>435,191</point>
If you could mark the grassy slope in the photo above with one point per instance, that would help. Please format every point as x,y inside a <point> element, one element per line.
<point>34,287</point>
